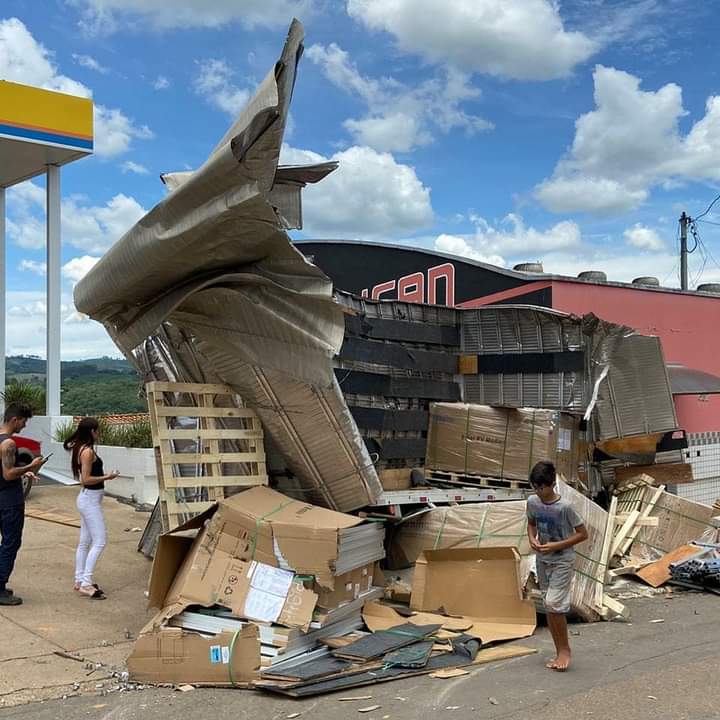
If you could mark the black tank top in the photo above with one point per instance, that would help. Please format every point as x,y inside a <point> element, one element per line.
<point>11,493</point>
<point>96,471</point>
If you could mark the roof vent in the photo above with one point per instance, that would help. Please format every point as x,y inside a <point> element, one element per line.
<point>647,280</point>
<point>594,275</point>
<point>709,288</point>
<point>529,267</point>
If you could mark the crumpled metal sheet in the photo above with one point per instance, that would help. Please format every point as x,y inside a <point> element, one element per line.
<point>631,387</point>
<point>212,260</point>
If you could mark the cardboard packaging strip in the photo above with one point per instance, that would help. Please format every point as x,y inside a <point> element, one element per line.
<point>501,442</point>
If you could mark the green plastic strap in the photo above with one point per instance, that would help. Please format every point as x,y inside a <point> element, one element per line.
<point>482,527</point>
<point>440,531</point>
<point>467,440</point>
<point>253,542</point>
<point>507,430</point>
<point>232,651</point>
<point>532,443</point>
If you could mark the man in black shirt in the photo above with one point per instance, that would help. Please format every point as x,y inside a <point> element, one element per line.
<point>12,500</point>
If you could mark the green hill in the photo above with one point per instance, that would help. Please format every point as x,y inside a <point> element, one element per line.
<point>90,387</point>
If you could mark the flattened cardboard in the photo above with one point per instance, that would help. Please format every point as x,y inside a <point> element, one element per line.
<point>259,523</point>
<point>173,655</point>
<point>482,584</point>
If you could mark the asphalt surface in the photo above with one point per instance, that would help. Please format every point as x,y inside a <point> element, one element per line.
<point>625,671</point>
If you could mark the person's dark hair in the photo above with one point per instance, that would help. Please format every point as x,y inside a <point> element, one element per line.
<point>542,474</point>
<point>81,438</point>
<point>17,410</point>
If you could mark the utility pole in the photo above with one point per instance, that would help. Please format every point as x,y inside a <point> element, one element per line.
<point>684,222</point>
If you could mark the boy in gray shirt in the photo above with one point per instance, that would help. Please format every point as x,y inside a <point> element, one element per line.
<point>554,527</point>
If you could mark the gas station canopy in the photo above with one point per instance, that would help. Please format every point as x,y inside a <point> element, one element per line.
<point>40,128</point>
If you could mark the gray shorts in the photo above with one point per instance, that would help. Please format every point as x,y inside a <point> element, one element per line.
<point>555,581</point>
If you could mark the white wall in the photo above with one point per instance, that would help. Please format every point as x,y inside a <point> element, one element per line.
<point>137,481</point>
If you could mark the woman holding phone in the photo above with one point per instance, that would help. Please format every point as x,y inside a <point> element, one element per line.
<point>88,468</point>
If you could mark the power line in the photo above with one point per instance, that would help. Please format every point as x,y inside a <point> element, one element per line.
<point>708,222</point>
<point>709,207</point>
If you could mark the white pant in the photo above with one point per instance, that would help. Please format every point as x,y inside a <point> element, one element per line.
<point>92,534</point>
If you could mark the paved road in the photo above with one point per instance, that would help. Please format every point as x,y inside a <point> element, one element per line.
<point>664,671</point>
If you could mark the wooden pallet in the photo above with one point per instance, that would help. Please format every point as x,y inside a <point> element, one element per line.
<point>465,480</point>
<point>192,477</point>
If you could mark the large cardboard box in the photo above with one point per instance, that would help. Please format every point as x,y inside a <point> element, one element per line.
<point>207,571</point>
<point>481,584</point>
<point>264,525</point>
<point>172,655</point>
<point>501,442</point>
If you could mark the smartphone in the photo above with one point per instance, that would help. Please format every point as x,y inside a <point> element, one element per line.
<point>47,457</point>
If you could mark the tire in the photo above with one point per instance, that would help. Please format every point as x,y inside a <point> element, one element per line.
<point>24,457</point>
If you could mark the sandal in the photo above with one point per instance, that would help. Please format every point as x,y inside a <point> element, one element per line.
<point>96,593</point>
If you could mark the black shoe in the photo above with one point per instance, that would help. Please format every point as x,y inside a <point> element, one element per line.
<point>7,598</point>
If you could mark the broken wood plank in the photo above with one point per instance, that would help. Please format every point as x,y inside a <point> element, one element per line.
<point>605,554</point>
<point>623,532</point>
<point>635,445</point>
<point>643,522</point>
<point>662,474</point>
<point>52,515</point>
<point>625,546</point>
<point>613,607</point>
<point>658,573</point>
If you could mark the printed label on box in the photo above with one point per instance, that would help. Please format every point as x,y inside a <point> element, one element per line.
<point>263,606</point>
<point>215,654</point>
<point>564,439</point>
<point>225,655</point>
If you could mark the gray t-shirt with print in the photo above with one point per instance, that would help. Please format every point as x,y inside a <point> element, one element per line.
<point>554,521</point>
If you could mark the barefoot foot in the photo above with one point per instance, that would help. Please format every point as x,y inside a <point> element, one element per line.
<point>562,661</point>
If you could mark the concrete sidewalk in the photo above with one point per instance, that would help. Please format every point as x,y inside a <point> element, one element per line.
<point>54,618</point>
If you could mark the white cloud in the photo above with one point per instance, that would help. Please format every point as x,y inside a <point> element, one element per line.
<point>24,60</point>
<point>91,63</point>
<point>456,245</point>
<point>629,144</point>
<point>521,39</point>
<point>96,228</point>
<point>27,232</point>
<point>109,15</point>
<point>644,238</point>
<point>77,268</point>
<point>80,337</point>
<point>370,196</point>
<point>39,268</point>
<point>214,83</point>
<point>510,238</point>
<point>399,117</point>
<point>93,228</point>
<point>161,82</point>
<point>114,132</point>
<point>133,167</point>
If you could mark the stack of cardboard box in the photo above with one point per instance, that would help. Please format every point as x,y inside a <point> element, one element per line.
<point>263,579</point>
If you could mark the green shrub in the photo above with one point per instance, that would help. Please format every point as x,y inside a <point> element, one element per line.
<point>131,435</point>
<point>26,393</point>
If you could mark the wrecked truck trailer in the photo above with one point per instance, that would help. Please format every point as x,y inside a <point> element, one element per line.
<point>208,287</point>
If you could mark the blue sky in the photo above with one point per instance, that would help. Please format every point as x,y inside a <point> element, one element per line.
<point>503,130</point>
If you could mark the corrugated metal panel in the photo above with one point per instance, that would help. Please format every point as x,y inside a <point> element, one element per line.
<point>515,329</point>
<point>635,398</point>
